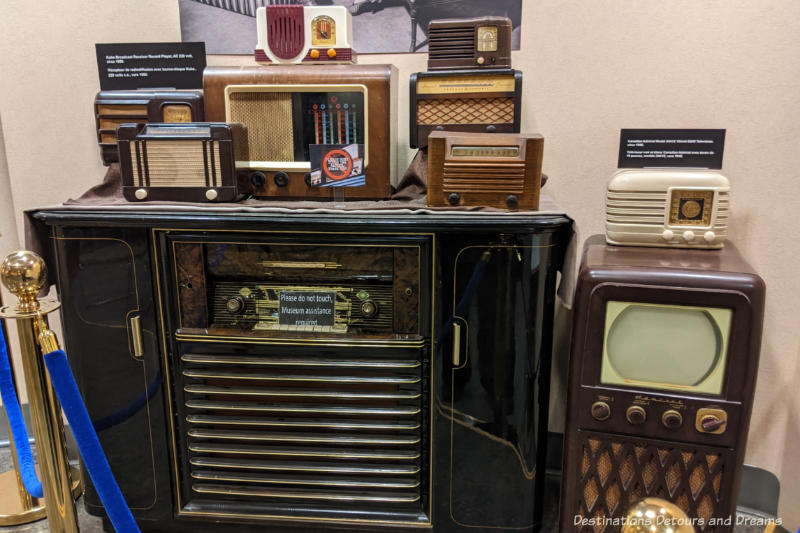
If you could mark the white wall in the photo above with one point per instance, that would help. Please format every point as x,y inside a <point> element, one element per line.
<point>591,68</point>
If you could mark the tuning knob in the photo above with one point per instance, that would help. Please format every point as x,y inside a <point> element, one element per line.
<point>512,201</point>
<point>258,179</point>
<point>281,179</point>
<point>600,411</point>
<point>307,179</point>
<point>672,419</point>
<point>453,198</point>
<point>235,304</point>
<point>369,309</point>
<point>711,423</point>
<point>491,128</point>
<point>636,415</point>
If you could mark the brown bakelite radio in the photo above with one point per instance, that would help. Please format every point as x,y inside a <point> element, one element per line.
<point>481,42</point>
<point>288,108</point>
<point>665,348</point>
<point>500,170</point>
<point>181,162</point>
<point>113,108</point>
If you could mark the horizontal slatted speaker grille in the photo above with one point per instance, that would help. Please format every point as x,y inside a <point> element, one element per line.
<point>435,111</point>
<point>451,43</point>
<point>176,163</point>
<point>268,117</point>
<point>615,473</point>
<point>506,178</point>
<point>382,295</point>
<point>307,430</point>
<point>648,209</point>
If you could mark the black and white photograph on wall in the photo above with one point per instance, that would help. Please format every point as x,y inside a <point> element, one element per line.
<point>379,26</point>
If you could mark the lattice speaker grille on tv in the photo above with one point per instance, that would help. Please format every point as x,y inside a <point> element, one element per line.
<point>617,472</point>
<point>268,117</point>
<point>465,111</point>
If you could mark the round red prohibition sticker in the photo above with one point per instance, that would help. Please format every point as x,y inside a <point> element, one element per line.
<point>337,164</point>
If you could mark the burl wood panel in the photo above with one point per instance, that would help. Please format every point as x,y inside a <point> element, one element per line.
<point>485,173</point>
<point>406,290</point>
<point>247,261</point>
<point>192,294</point>
<point>379,81</point>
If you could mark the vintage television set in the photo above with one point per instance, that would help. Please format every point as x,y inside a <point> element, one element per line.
<point>294,372</point>
<point>287,108</point>
<point>665,349</point>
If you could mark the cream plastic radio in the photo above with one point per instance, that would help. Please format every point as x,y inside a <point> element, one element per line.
<point>674,208</point>
<point>304,34</point>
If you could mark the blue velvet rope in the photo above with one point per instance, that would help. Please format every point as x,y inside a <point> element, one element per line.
<point>8,390</point>
<point>88,444</point>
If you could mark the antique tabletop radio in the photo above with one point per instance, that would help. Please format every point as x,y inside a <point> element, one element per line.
<point>665,348</point>
<point>500,170</point>
<point>671,207</point>
<point>481,42</point>
<point>112,108</point>
<point>288,108</point>
<point>474,101</point>
<point>304,34</point>
<point>192,161</point>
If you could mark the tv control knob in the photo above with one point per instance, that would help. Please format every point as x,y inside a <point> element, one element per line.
<point>281,179</point>
<point>600,411</point>
<point>672,419</point>
<point>711,423</point>
<point>668,235</point>
<point>709,236</point>
<point>211,194</point>
<point>491,128</point>
<point>369,309</point>
<point>258,179</point>
<point>235,304</point>
<point>636,415</point>
<point>512,201</point>
<point>453,198</point>
<point>688,235</point>
<point>140,194</point>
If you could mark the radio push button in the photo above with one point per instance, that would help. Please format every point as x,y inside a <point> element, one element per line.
<point>672,419</point>
<point>600,411</point>
<point>636,415</point>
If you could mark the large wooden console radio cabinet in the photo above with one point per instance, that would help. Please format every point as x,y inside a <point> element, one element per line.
<point>348,372</point>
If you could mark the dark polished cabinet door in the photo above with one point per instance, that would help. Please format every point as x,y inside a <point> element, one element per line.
<point>491,406</point>
<point>110,338</point>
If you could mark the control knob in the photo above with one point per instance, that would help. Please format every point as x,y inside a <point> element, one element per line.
<point>672,419</point>
<point>636,415</point>
<point>711,423</point>
<point>235,304</point>
<point>600,411</point>
<point>369,309</point>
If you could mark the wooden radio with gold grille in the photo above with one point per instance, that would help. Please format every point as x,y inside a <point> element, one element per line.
<point>663,367</point>
<point>191,162</point>
<point>479,101</point>
<point>501,170</point>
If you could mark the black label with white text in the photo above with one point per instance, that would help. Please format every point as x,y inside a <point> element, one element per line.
<point>130,66</point>
<point>653,148</point>
<point>306,308</point>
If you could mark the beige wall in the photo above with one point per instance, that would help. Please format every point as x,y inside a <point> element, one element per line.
<point>591,68</point>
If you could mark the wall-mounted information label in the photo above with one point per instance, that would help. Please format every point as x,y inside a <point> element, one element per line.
<point>128,66</point>
<point>306,308</point>
<point>671,148</point>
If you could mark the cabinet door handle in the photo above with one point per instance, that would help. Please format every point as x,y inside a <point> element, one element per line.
<point>301,264</point>
<point>136,336</point>
<point>456,344</point>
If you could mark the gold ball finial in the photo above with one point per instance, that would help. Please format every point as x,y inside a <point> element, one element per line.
<point>24,274</point>
<point>654,515</point>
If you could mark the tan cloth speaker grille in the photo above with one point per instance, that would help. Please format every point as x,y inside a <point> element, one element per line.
<point>465,111</point>
<point>173,163</point>
<point>615,473</point>
<point>268,117</point>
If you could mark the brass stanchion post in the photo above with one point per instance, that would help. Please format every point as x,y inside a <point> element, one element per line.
<point>24,274</point>
<point>16,505</point>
